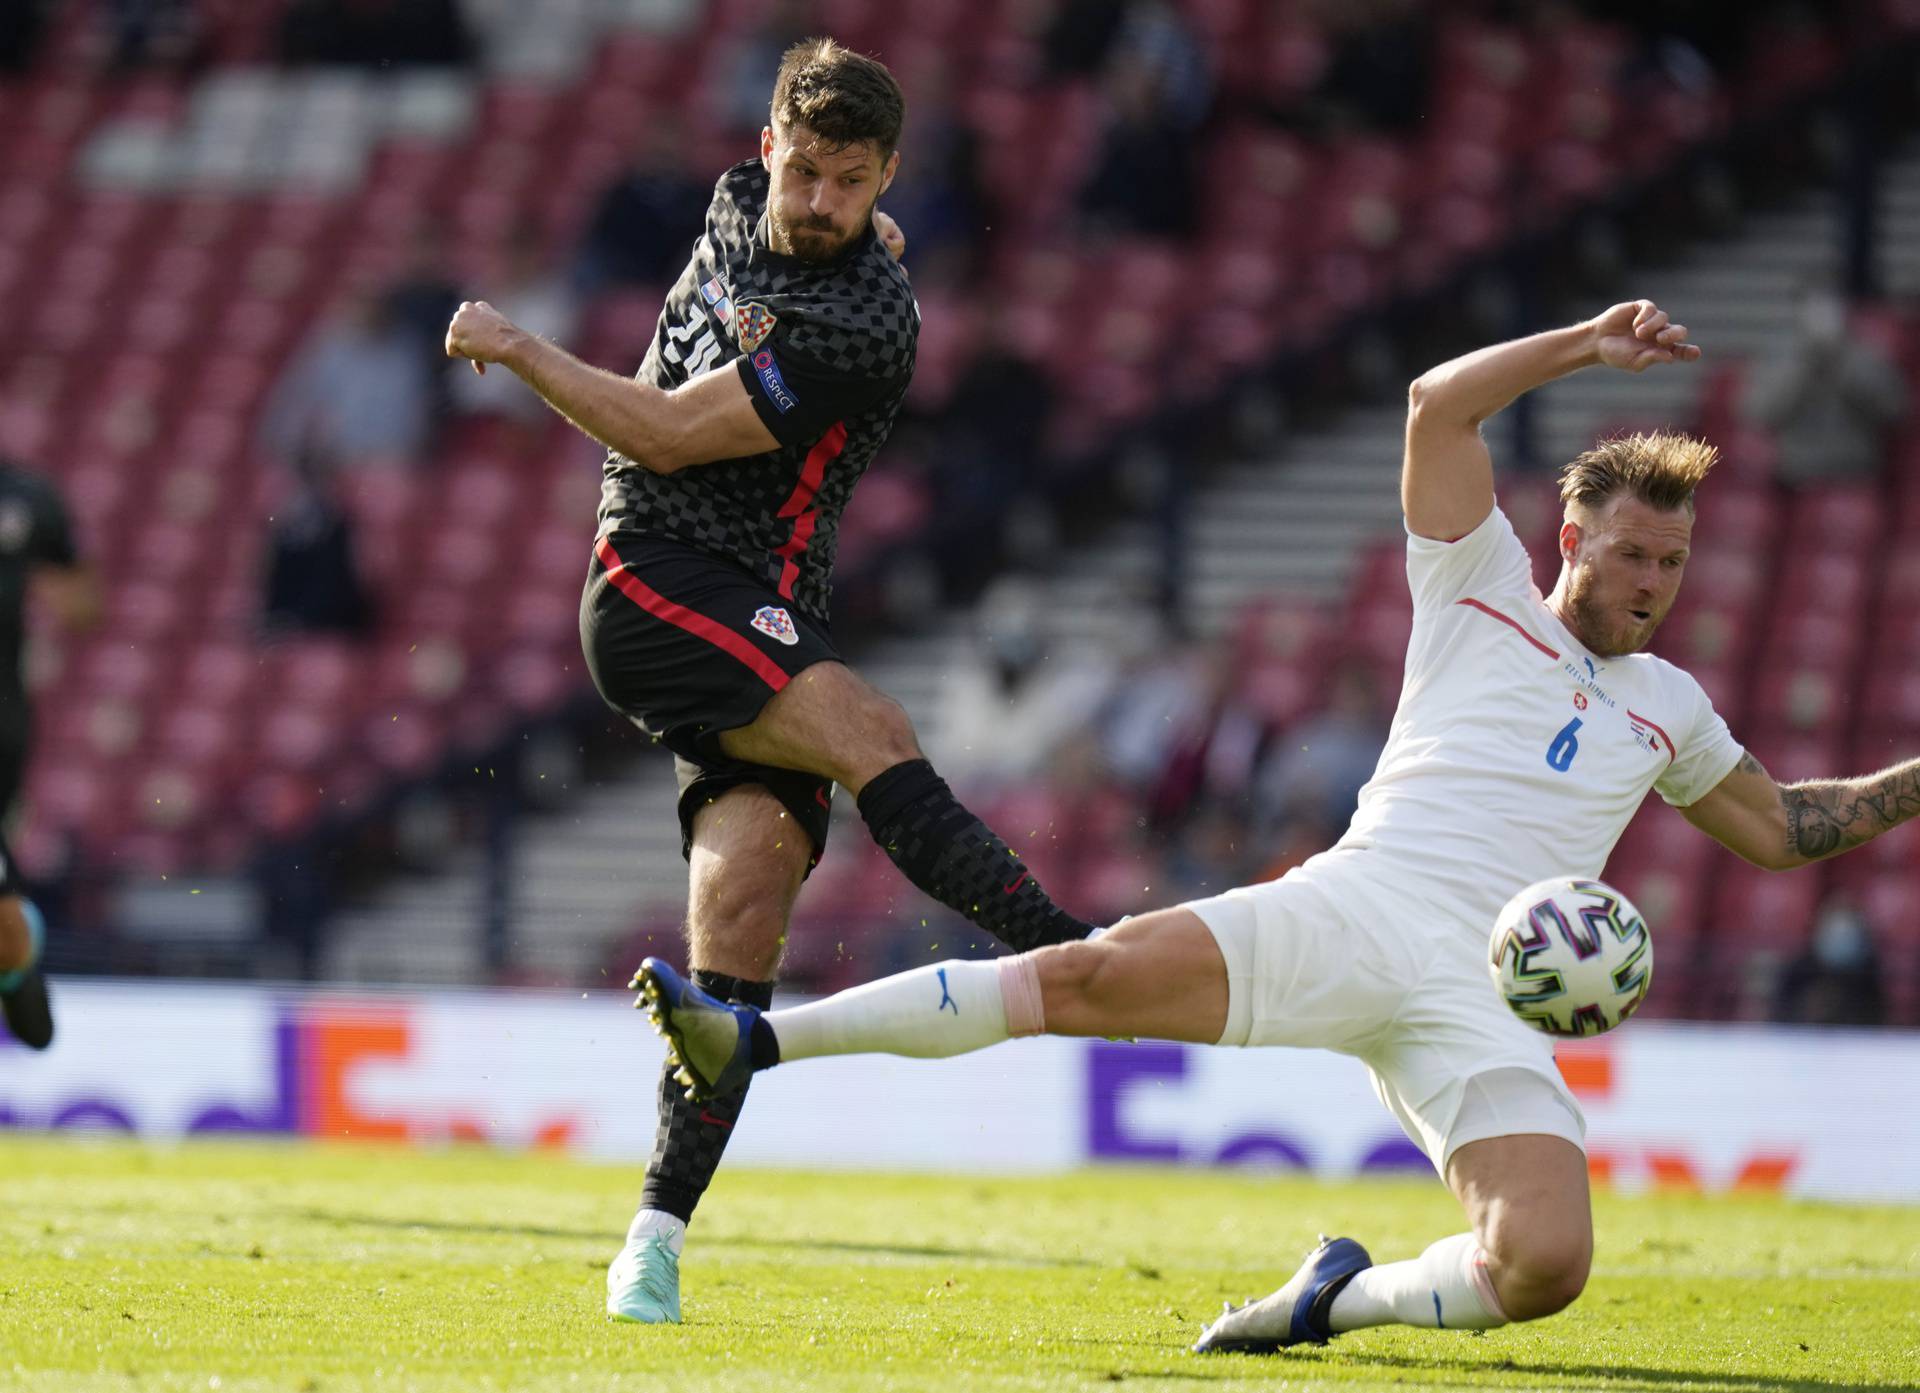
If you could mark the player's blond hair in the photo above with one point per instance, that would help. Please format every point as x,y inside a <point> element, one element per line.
<point>1661,469</point>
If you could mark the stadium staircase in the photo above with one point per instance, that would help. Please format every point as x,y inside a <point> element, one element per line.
<point>1299,524</point>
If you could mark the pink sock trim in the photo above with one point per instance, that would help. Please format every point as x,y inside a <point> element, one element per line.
<point>1020,994</point>
<point>1483,1284</point>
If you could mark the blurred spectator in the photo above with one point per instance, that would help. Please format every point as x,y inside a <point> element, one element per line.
<point>1159,696</point>
<point>1144,179</point>
<point>356,393</point>
<point>22,23</point>
<point>986,452</point>
<point>1210,855</point>
<point>533,293</point>
<point>1016,696</point>
<point>1317,767</point>
<point>938,199</point>
<point>1211,745</point>
<point>741,76</point>
<point>646,219</point>
<point>1155,36</point>
<point>421,302</point>
<point>1379,71</point>
<point>1830,397</point>
<point>155,33</point>
<point>38,560</point>
<point>1835,980</point>
<point>313,582</point>
<point>376,33</point>
<point>1081,35</point>
<point>1301,836</point>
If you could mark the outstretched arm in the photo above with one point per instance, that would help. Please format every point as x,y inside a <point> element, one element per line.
<point>1783,827</point>
<point>710,418</point>
<point>1446,483</point>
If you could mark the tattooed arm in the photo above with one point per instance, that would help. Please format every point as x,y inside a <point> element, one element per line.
<point>1783,827</point>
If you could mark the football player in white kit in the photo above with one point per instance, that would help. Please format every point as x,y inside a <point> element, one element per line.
<point>1529,730</point>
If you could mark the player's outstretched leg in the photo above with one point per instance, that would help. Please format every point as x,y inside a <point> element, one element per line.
<point>1160,975</point>
<point>23,987</point>
<point>1527,1257</point>
<point>832,722</point>
<point>745,869</point>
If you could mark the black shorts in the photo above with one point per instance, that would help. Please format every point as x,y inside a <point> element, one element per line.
<point>686,645</point>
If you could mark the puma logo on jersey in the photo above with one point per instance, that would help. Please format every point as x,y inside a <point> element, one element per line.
<point>1592,687</point>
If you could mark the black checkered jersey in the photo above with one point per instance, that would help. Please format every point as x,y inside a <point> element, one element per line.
<point>825,349</point>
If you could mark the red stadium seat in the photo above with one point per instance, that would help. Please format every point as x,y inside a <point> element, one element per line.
<point>1792,755</point>
<point>1892,695</point>
<point>1762,910</point>
<point>1891,903</point>
<point>1807,697</point>
<point>1810,634</point>
<point>1836,518</point>
<point>1660,840</point>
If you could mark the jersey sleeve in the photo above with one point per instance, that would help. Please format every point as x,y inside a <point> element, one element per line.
<point>1488,559</point>
<point>799,398</point>
<point>839,358</point>
<point>1704,756</point>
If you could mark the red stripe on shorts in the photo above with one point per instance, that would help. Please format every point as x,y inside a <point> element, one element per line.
<point>660,607</point>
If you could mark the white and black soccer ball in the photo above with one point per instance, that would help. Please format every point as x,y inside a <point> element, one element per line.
<point>1571,957</point>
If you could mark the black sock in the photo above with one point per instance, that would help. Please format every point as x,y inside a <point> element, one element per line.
<point>764,1045</point>
<point>956,858</point>
<point>693,1136</point>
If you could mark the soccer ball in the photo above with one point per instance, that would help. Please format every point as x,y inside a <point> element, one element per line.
<point>1571,957</point>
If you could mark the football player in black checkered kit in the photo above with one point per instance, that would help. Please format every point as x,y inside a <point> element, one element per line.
<point>780,362</point>
<point>37,558</point>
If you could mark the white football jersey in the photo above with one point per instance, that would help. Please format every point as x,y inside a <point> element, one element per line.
<point>1515,754</point>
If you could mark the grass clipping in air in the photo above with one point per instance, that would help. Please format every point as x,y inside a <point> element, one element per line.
<point>239,1267</point>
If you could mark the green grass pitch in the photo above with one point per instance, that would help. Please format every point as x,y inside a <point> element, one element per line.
<point>238,1267</point>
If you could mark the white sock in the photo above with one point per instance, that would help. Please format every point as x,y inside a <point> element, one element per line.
<point>1446,1287</point>
<point>928,1013</point>
<point>651,1221</point>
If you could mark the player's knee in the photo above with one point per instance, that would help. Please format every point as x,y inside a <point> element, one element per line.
<point>1540,1273</point>
<point>891,729</point>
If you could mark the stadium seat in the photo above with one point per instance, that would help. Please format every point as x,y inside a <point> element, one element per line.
<point>1756,910</point>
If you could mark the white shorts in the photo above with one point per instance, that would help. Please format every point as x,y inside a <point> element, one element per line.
<point>1316,963</point>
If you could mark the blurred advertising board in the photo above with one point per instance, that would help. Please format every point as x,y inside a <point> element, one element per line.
<point>1805,1112</point>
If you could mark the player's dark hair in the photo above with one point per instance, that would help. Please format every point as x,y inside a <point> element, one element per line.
<point>1661,470</point>
<point>843,97</point>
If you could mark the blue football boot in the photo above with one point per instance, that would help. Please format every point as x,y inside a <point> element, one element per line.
<point>1294,1315</point>
<point>709,1041</point>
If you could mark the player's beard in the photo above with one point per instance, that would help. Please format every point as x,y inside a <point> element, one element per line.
<point>815,239</point>
<point>1597,624</point>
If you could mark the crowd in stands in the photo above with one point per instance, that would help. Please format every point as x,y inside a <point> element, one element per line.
<point>1115,209</point>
